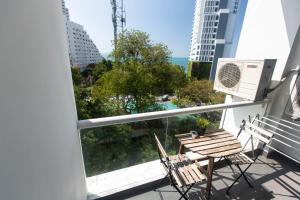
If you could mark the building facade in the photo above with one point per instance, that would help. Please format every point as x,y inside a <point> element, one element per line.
<point>82,50</point>
<point>214,22</point>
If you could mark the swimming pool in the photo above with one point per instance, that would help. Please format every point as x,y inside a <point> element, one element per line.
<point>169,105</point>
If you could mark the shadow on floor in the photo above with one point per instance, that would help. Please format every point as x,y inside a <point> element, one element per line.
<point>274,177</point>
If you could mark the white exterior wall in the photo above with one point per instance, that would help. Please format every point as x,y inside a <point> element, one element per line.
<point>40,151</point>
<point>82,50</point>
<point>205,27</point>
<point>198,20</point>
<point>204,30</point>
<point>268,31</point>
<point>65,10</point>
<point>231,29</point>
<point>287,95</point>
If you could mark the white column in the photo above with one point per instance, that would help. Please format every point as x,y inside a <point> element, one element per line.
<point>40,151</point>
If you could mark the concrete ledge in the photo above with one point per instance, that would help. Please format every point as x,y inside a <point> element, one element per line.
<point>124,179</point>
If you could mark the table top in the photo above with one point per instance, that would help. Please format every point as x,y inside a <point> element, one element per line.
<point>216,144</point>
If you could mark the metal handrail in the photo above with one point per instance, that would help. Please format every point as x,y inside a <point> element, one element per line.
<point>123,119</point>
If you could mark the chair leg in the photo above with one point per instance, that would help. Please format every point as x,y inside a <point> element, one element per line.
<point>180,192</point>
<point>227,191</point>
<point>242,174</point>
<point>160,183</point>
<point>183,195</point>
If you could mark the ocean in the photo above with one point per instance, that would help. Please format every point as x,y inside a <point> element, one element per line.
<point>182,61</point>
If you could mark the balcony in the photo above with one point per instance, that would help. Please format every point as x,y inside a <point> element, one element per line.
<point>133,168</point>
<point>274,177</point>
<point>40,151</point>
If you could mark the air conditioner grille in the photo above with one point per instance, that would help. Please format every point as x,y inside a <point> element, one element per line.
<point>229,75</point>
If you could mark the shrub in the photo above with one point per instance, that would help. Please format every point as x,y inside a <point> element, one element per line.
<point>202,123</point>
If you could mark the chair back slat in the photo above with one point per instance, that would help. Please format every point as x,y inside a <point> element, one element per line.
<point>160,148</point>
<point>258,133</point>
<point>261,130</point>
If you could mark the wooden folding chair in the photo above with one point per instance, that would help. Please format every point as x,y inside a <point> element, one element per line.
<point>256,133</point>
<point>180,170</point>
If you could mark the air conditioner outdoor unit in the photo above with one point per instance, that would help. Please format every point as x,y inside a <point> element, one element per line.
<point>247,79</point>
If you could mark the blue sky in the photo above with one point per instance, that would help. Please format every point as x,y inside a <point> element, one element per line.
<point>167,21</point>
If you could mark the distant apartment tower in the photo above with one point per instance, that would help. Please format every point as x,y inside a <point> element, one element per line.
<point>82,50</point>
<point>212,35</point>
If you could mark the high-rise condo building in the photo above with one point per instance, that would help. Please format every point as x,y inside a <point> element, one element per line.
<point>82,50</point>
<point>213,31</point>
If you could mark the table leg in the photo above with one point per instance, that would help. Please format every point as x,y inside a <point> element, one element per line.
<point>180,149</point>
<point>210,168</point>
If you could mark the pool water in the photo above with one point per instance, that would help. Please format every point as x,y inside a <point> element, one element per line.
<point>169,105</point>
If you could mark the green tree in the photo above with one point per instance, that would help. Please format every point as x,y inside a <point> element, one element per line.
<point>76,76</point>
<point>131,46</point>
<point>106,148</point>
<point>82,104</point>
<point>199,70</point>
<point>93,71</point>
<point>200,91</point>
<point>140,71</point>
<point>129,90</point>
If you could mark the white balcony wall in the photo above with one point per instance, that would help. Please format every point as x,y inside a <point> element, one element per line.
<point>40,151</point>
<point>268,31</point>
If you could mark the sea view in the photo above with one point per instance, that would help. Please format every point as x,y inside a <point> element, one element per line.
<point>182,61</point>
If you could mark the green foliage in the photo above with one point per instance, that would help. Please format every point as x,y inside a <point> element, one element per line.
<point>202,123</point>
<point>168,78</point>
<point>131,46</point>
<point>93,72</point>
<point>100,69</point>
<point>199,70</point>
<point>83,104</point>
<point>199,91</point>
<point>185,102</point>
<point>174,101</point>
<point>76,76</point>
<point>130,89</point>
<point>106,148</point>
<point>140,72</point>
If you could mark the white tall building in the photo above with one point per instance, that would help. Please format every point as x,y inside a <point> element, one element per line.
<point>214,21</point>
<point>82,50</point>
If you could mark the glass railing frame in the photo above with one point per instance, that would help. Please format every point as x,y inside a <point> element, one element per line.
<point>123,119</point>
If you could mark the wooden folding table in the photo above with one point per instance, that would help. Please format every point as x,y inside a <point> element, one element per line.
<point>213,145</point>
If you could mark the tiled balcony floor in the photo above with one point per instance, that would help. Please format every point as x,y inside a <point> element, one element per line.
<point>273,178</point>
